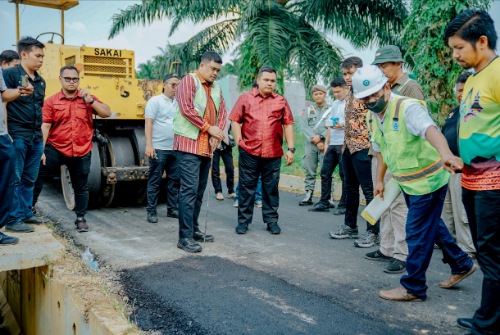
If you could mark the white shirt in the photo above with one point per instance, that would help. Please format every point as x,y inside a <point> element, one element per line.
<point>417,117</point>
<point>162,110</point>
<point>336,117</point>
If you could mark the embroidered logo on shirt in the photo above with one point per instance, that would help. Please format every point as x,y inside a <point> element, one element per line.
<point>366,82</point>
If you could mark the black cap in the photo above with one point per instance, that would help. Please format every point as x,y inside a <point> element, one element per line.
<point>170,75</point>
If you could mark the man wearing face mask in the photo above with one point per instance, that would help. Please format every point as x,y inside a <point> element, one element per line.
<point>417,154</point>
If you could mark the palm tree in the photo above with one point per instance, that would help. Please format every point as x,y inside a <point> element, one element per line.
<point>286,34</point>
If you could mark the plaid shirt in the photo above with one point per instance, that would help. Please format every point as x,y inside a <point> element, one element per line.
<point>262,121</point>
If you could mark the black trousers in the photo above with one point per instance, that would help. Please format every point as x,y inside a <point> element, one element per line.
<point>79,169</point>
<point>193,174</point>
<point>357,172</point>
<point>227,158</point>
<point>332,158</point>
<point>250,168</point>
<point>165,161</point>
<point>6,178</point>
<point>483,208</point>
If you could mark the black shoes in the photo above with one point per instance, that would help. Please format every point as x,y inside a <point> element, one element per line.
<point>273,228</point>
<point>378,256</point>
<point>198,236</point>
<point>395,266</point>
<point>19,227</point>
<point>81,225</point>
<point>339,211</point>
<point>8,240</point>
<point>34,219</point>
<point>320,207</point>
<point>189,245</point>
<point>173,213</point>
<point>152,218</point>
<point>241,228</point>
<point>465,323</point>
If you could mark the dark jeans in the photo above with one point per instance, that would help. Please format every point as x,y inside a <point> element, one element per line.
<point>26,164</point>
<point>333,157</point>
<point>79,169</point>
<point>165,161</point>
<point>6,178</point>
<point>258,191</point>
<point>227,158</point>
<point>424,227</point>
<point>250,168</point>
<point>357,171</point>
<point>483,208</point>
<point>193,174</point>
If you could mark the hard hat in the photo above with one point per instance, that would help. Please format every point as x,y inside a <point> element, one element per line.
<point>367,80</point>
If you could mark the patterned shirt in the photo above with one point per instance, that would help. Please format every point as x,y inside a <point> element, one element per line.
<point>262,121</point>
<point>357,135</point>
<point>185,95</point>
<point>408,87</point>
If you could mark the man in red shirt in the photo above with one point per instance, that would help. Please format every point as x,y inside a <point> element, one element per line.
<point>258,120</point>
<point>67,137</point>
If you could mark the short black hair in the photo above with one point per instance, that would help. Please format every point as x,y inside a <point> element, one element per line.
<point>470,25</point>
<point>266,69</point>
<point>68,67</point>
<point>8,56</point>
<point>209,56</point>
<point>338,82</point>
<point>352,61</point>
<point>462,78</point>
<point>170,76</point>
<point>27,43</point>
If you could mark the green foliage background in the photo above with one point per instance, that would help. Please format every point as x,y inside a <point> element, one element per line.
<point>427,53</point>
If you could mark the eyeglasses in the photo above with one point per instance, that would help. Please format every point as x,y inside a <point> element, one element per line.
<point>173,85</point>
<point>69,79</point>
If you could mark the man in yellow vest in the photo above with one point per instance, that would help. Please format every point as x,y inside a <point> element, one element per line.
<point>412,147</point>
<point>198,129</point>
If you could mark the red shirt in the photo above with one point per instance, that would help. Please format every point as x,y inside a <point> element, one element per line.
<point>184,95</point>
<point>72,126</point>
<point>262,121</point>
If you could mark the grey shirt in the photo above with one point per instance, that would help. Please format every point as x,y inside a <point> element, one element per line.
<point>3,124</point>
<point>310,118</point>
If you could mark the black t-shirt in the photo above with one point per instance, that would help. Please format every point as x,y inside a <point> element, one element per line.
<point>25,113</point>
<point>450,130</point>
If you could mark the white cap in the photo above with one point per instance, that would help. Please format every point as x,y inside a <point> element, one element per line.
<point>367,80</point>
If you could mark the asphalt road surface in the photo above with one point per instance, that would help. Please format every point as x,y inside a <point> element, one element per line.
<point>299,282</point>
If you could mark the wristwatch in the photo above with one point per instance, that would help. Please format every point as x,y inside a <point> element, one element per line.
<point>91,102</point>
<point>292,150</point>
<point>321,137</point>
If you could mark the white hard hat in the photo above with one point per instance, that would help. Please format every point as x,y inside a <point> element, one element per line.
<point>367,80</point>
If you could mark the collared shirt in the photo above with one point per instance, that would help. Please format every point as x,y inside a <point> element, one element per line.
<point>262,121</point>
<point>162,110</point>
<point>357,135</point>
<point>71,124</point>
<point>312,121</point>
<point>3,125</point>
<point>184,95</point>
<point>336,118</point>
<point>408,87</point>
<point>25,113</point>
<point>417,118</point>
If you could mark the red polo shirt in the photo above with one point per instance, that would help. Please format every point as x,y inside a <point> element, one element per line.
<point>72,126</point>
<point>262,121</point>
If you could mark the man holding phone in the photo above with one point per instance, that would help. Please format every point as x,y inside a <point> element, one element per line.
<point>67,137</point>
<point>24,126</point>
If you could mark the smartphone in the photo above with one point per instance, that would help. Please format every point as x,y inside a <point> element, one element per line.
<point>24,81</point>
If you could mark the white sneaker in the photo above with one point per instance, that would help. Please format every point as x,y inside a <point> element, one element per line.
<point>231,195</point>
<point>235,204</point>
<point>219,196</point>
<point>258,203</point>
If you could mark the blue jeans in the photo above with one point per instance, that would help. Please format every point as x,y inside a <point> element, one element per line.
<point>26,164</point>
<point>6,178</point>
<point>424,227</point>
<point>258,192</point>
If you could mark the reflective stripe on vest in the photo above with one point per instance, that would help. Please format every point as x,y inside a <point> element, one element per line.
<point>425,172</point>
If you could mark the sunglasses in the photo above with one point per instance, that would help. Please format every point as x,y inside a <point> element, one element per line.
<point>69,79</point>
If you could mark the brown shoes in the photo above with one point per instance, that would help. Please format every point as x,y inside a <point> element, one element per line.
<point>398,294</point>
<point>455,279</point>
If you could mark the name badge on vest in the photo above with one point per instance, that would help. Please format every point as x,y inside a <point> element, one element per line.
<point>395,126</point>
